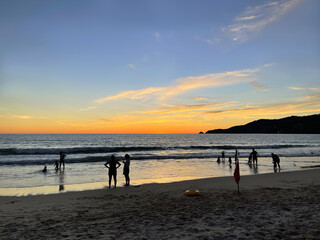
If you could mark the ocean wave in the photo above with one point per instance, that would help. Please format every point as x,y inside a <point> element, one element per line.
<point>92,150</point>
<point>94,159</point>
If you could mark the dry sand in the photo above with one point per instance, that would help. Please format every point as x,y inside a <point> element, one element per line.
<point>270,206</point>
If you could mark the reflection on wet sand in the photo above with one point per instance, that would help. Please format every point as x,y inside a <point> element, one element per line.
<point>61,180</point>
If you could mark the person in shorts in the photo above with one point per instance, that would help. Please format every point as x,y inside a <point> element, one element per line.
<point>112,165</point>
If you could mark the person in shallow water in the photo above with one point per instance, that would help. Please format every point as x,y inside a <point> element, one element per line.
<point>126,169</point>
<point>56,165</point>
<point>112,165</point>
<point>254,156</point>
<point>44,170</point>
<point>223,156</point>
<point>62,157</point>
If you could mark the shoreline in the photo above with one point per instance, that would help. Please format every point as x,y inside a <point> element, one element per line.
<point>270,206</point>
<point>80,187</point>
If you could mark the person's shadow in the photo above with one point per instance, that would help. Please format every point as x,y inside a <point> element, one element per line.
<point>61,180</point>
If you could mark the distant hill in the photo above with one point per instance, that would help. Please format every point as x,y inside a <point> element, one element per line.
<point>294,124</point>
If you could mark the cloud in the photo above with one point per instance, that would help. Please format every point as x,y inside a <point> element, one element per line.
<point>246,18</point>
<point>132,66</point>
<point>21,116</point>
<point>315,89</point>
<point>256,18</point>
<point>260,86</point>
<point>157,35</point>
<point>16,116</point>
<point>308,105</point>
<point>87,109</point>
<point>199,98</point>
<point>187,84</point>
<point>133,94</point>
<point>303,89</point>
<point>175,108</point>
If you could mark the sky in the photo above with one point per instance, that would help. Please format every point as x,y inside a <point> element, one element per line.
<point>146,66</point>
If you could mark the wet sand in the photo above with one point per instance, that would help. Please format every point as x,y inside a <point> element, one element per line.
<point>270,206</point>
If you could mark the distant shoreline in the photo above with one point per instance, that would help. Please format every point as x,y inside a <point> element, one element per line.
<point>289,125</point>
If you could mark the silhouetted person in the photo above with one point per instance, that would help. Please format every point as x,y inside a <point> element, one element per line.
<point>250,159</point>
<point>236,156</point>
<point>62,157</point>
<point>44,170</point>
<point>56,165</point>
<point>112,164</point>
<point>223,156</point>
<point>126,169</point>
<point>254,156</point>
<point>218,160</point>
<point>230,161</point>
<point>275,160</point>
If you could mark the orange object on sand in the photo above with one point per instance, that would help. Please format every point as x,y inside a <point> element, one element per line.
<point>192,192</point>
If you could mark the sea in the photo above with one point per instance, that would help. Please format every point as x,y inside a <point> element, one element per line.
<point>155,158</point>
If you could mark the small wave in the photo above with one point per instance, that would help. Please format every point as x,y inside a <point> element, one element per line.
<point>136,157</point>
<point>91,150</point>
<point>76,150</point>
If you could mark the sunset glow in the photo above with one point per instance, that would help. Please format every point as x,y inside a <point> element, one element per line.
<point>148,67</point>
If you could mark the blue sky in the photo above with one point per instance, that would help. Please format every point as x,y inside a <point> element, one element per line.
<point>156,66</point>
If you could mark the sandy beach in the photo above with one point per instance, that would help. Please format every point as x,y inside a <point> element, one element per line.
<point>270,206</point>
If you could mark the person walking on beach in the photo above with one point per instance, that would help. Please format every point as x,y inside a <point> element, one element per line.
<point>62,157</point>
<point>112,165</point>
<point>230,161</point>
<point>254,156</point>
<point>126,169</point>
<point>275,161</point>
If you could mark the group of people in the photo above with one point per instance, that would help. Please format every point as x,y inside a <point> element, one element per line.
<point>253,158</point>
<point>113,165</point>
<point>57,164</point>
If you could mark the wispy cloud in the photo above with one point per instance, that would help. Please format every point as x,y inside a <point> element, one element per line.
<point>259,86</point>
<point>303,89</point>
<point>16,116</point>
<point>87,109</point>
<point>132,66</point>
<point>21,116</point>
<point>175,108</point>
<point>308,105</point>
<point>256,18</point>
<point>187,84</point>
<point>133,94</point>
<point>157,36</point>
<point>199,98</point>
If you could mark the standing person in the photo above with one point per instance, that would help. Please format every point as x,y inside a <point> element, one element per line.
<point>126,169</point>
<point>223,156</point>
<point>236,156</point>
<point>254,156</point>
<point>62,157</point>
<point>112,165</point>
<point>275,160</point>
<point>230,161</point>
